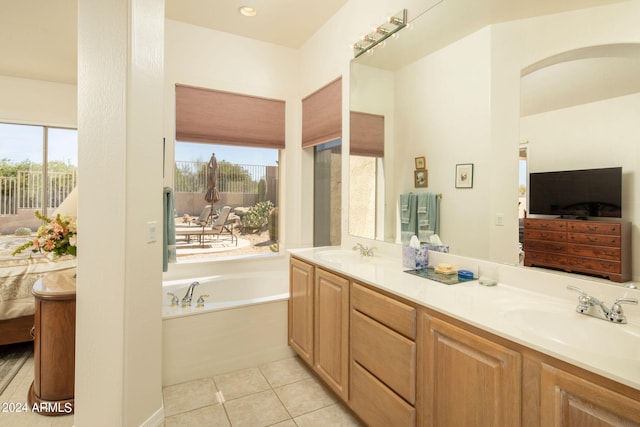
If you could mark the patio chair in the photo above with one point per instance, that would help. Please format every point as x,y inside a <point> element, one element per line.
<point>222,225</point>
<point>196,227</point>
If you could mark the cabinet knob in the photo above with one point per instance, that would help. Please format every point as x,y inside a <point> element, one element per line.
<point>32,332</point>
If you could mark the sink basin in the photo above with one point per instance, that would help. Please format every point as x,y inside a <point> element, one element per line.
<point>576,330</point>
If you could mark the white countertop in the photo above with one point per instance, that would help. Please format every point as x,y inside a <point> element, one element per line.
<point>546,322</point>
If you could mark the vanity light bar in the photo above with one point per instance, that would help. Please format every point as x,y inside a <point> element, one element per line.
<point>394,24</point>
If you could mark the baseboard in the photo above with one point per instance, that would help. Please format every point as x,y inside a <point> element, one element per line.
<point>155,420</point>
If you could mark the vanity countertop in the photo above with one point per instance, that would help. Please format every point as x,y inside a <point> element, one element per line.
<point>546,323</point>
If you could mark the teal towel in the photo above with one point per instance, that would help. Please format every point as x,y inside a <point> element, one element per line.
<point>428,216</point>
<point>408,217</point>
<point>169,229</point>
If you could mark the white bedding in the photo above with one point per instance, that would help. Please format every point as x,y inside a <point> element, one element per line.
<point>17,276</point>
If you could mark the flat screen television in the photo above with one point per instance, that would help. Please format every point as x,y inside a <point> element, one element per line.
<point>577,193</point>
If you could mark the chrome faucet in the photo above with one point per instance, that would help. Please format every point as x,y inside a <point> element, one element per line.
<point>186,300</point>
<point>364,250</point>
<point>592,306</point>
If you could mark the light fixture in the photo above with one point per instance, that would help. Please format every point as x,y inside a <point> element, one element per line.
<point>394,24</point>
<point>248,11</point>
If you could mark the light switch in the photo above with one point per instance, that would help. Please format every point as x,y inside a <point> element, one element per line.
<point>152,231</point>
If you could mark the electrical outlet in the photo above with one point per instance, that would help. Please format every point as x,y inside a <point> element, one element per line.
<point>500,219</point>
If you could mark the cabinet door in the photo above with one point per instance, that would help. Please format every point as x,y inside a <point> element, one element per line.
<point>567,400</point>
<point>332,330</point>
<point>301,309</point>
<point>468,380</point>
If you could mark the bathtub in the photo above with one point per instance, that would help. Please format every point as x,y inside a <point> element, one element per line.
<point>242,324</point>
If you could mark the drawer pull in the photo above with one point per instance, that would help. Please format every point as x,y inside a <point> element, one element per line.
<point>32,332</point>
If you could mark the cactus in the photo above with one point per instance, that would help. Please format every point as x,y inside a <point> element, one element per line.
<point>273,224</point>
<point>23,231</point>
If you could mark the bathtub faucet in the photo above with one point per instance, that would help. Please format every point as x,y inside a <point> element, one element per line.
<point>186,300</point>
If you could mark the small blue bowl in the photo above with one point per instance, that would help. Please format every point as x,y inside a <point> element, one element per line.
<point>465,275</point>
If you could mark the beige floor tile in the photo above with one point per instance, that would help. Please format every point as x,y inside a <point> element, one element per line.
<point>63,421</point>
<point>241,383</point>
<point>287,423</point>
<point>304,396</point>
<point>286,371</point>
<point>260,409</point>
<point>188,396</point>
<point>209,416</point>
<point>334,416</point>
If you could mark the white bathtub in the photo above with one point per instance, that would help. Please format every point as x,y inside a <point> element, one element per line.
<point>243,324</point>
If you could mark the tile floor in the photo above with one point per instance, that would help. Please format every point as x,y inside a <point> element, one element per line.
<point>281,394</point>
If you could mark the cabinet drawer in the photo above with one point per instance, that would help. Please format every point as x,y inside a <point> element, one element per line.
<point>386,354</point>
<point>531,257</point>
<point>376,404</point>
<point>594,264</point>
<point>594,239</point>
<point>545,246</point>
<point>396,315</point>
<point>594,227</point>
<point>545,224</point>
<point>601,252</point>
<point>553,236</point>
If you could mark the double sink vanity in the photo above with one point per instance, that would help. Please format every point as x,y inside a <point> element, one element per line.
<point>403,350</point>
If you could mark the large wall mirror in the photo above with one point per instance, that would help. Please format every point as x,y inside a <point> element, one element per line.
<point>488,89</point>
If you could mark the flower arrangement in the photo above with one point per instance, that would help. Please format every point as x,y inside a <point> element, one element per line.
<point>57,236</point>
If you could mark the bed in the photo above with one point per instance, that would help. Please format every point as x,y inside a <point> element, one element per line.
<point>17,276</point>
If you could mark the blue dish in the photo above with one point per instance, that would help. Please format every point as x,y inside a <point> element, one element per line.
<point>465,275</point>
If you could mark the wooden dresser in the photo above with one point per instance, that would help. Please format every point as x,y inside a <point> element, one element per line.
<point>52,391</point>
<point>599,248</point>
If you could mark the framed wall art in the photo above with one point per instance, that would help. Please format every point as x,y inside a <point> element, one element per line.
<point>464,175</point>
<point>421,163</point>
<point>421,178</point>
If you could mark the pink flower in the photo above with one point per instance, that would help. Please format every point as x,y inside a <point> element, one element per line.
<point>36,244</point>
<point>48,244</point>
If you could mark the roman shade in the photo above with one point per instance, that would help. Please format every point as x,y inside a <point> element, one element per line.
<point>322,115</point>
<point>366,134</point>
<point>217,117</point>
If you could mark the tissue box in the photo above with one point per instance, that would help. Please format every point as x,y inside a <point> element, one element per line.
<point>415,258</point>
<point>438,248</point>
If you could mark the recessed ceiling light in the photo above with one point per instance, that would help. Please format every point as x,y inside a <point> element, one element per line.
<point>248,11</point>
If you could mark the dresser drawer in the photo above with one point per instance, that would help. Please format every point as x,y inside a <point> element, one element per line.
<point>542,258</point>
<point>375,403</point>
<point>396,315</point>
<point>545,224</point>
<point>554,236</point>
<point>600,252</point>
<point>545,246</point>
<point>594,264</point>
<point>595,227</point>
<point>594,239</point>
<point>388,355</point>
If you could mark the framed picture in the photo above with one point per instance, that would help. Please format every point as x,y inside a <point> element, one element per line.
<point>420,163</point>
<point>421,178</point>
<point>464,175</point>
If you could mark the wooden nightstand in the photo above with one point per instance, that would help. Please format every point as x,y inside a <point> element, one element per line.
<point>52,391</point>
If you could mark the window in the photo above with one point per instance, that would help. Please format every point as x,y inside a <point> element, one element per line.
<point>38,169</point>
<point>246,180</point>
<point>327,194</point>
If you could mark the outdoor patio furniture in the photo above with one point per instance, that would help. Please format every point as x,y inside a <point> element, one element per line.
<point>221,226</point>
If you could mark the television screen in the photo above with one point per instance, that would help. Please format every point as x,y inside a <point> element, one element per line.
<point>577,193</point>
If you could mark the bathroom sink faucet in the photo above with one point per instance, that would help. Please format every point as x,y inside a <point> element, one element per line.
<point>592,306</point>
<point>186,300</point>
<point>364,250</point>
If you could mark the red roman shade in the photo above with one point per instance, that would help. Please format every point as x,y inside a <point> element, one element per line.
<point>322,115</point>
<point>216,117</point>
<point>366,134</point>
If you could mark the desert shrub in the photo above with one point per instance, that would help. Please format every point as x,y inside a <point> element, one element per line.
<point>23,231</point>
<point>258,215</point>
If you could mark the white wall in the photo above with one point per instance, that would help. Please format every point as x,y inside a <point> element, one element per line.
<point>443,112</point>
<point>38,102</point>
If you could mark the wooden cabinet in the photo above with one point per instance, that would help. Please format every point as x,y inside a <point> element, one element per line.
<point>52,390</point>
<point>301,309</point>
<point>331,330</point>
<point>319,322</point>
<point>593,247</point>
<point>570,401</point>
<point>468,380</point>
<point>383,358</point>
